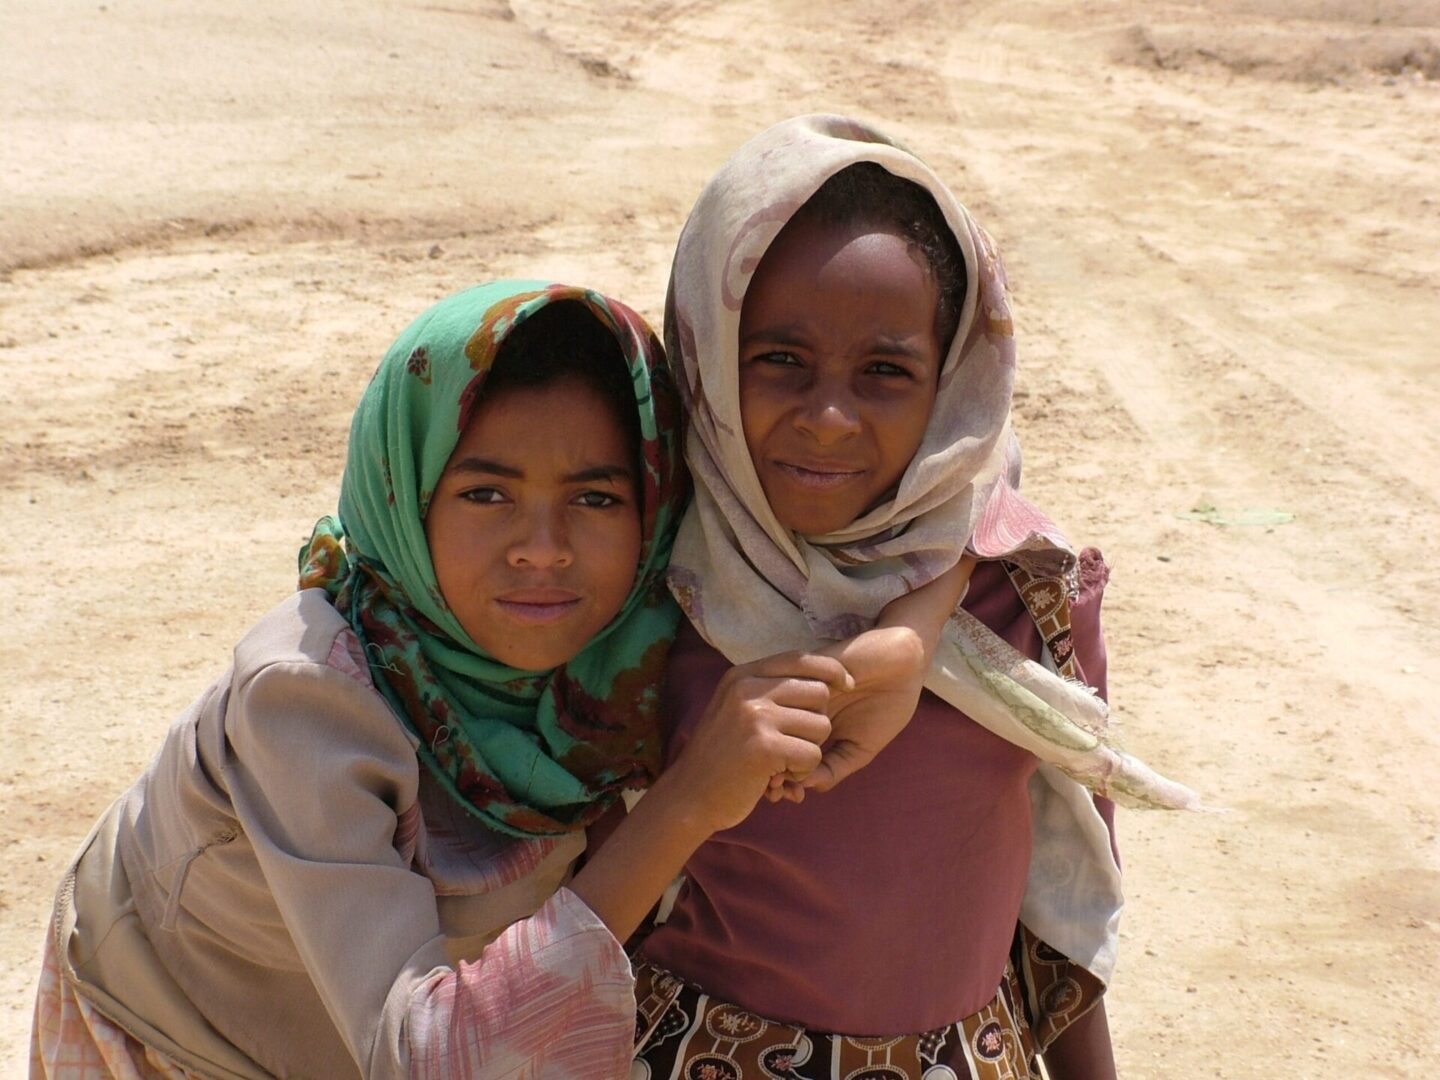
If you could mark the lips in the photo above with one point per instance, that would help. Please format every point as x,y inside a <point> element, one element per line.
<point>817,474</point>
<point>537,606</point>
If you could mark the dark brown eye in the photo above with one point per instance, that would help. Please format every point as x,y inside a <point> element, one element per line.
<point>599,500</point>
<point>780,359</point>
<point>483,495</point>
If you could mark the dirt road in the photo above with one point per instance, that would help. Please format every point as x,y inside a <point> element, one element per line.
<point>1222,222</point>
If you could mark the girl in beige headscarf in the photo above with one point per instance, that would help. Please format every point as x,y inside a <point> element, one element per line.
<point>841,333</point>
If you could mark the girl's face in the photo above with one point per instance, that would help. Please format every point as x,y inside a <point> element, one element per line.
<point>534,527</point>
<point>839,367</point>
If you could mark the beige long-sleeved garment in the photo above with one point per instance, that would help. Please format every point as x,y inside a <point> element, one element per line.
<point>286,892</point>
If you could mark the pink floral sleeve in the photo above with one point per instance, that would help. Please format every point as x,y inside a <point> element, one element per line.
<point>551,997</point>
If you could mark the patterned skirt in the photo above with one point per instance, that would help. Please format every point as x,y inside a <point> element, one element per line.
<point>684,1034</point>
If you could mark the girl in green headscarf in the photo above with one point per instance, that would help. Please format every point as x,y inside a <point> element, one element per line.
<point>373,846</point>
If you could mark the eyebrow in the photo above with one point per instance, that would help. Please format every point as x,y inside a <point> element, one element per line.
<point>889,346</point>
<point>883,344</point>
<point>487,467</point>
<point>775,335</point>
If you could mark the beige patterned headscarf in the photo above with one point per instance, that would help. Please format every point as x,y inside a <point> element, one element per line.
<point>752,588</point>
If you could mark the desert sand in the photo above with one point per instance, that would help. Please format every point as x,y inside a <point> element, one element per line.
<point>1222,224</point>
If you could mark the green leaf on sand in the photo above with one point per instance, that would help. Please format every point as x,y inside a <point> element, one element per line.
<point>1213,515</point>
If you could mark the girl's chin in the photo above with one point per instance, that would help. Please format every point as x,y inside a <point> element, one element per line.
<point>813,521</point>
<point>532,649</point>
<point>812,509</point>
<point>811,513</point>
<point>533,659</point>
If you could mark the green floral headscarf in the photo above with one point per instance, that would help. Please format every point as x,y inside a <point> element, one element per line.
<point>529,753</point>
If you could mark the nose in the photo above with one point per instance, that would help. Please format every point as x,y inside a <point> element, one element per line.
<point>541,540</point>
<point>828,414</point>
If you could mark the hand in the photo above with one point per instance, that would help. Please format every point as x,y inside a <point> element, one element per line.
<point>888,666</point>
<point>765,718</point>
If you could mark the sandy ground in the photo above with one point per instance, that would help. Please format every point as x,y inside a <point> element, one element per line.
<point>1222,221</point>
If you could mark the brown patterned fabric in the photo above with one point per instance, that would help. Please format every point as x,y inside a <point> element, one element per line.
<point>681,1033</point>
<point>1056,991</point>
<point>1048,601</point>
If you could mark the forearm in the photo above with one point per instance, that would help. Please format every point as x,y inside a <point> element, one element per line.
<point>1082,1051</point>
<point>926,609</point>
<point>623,880</point>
